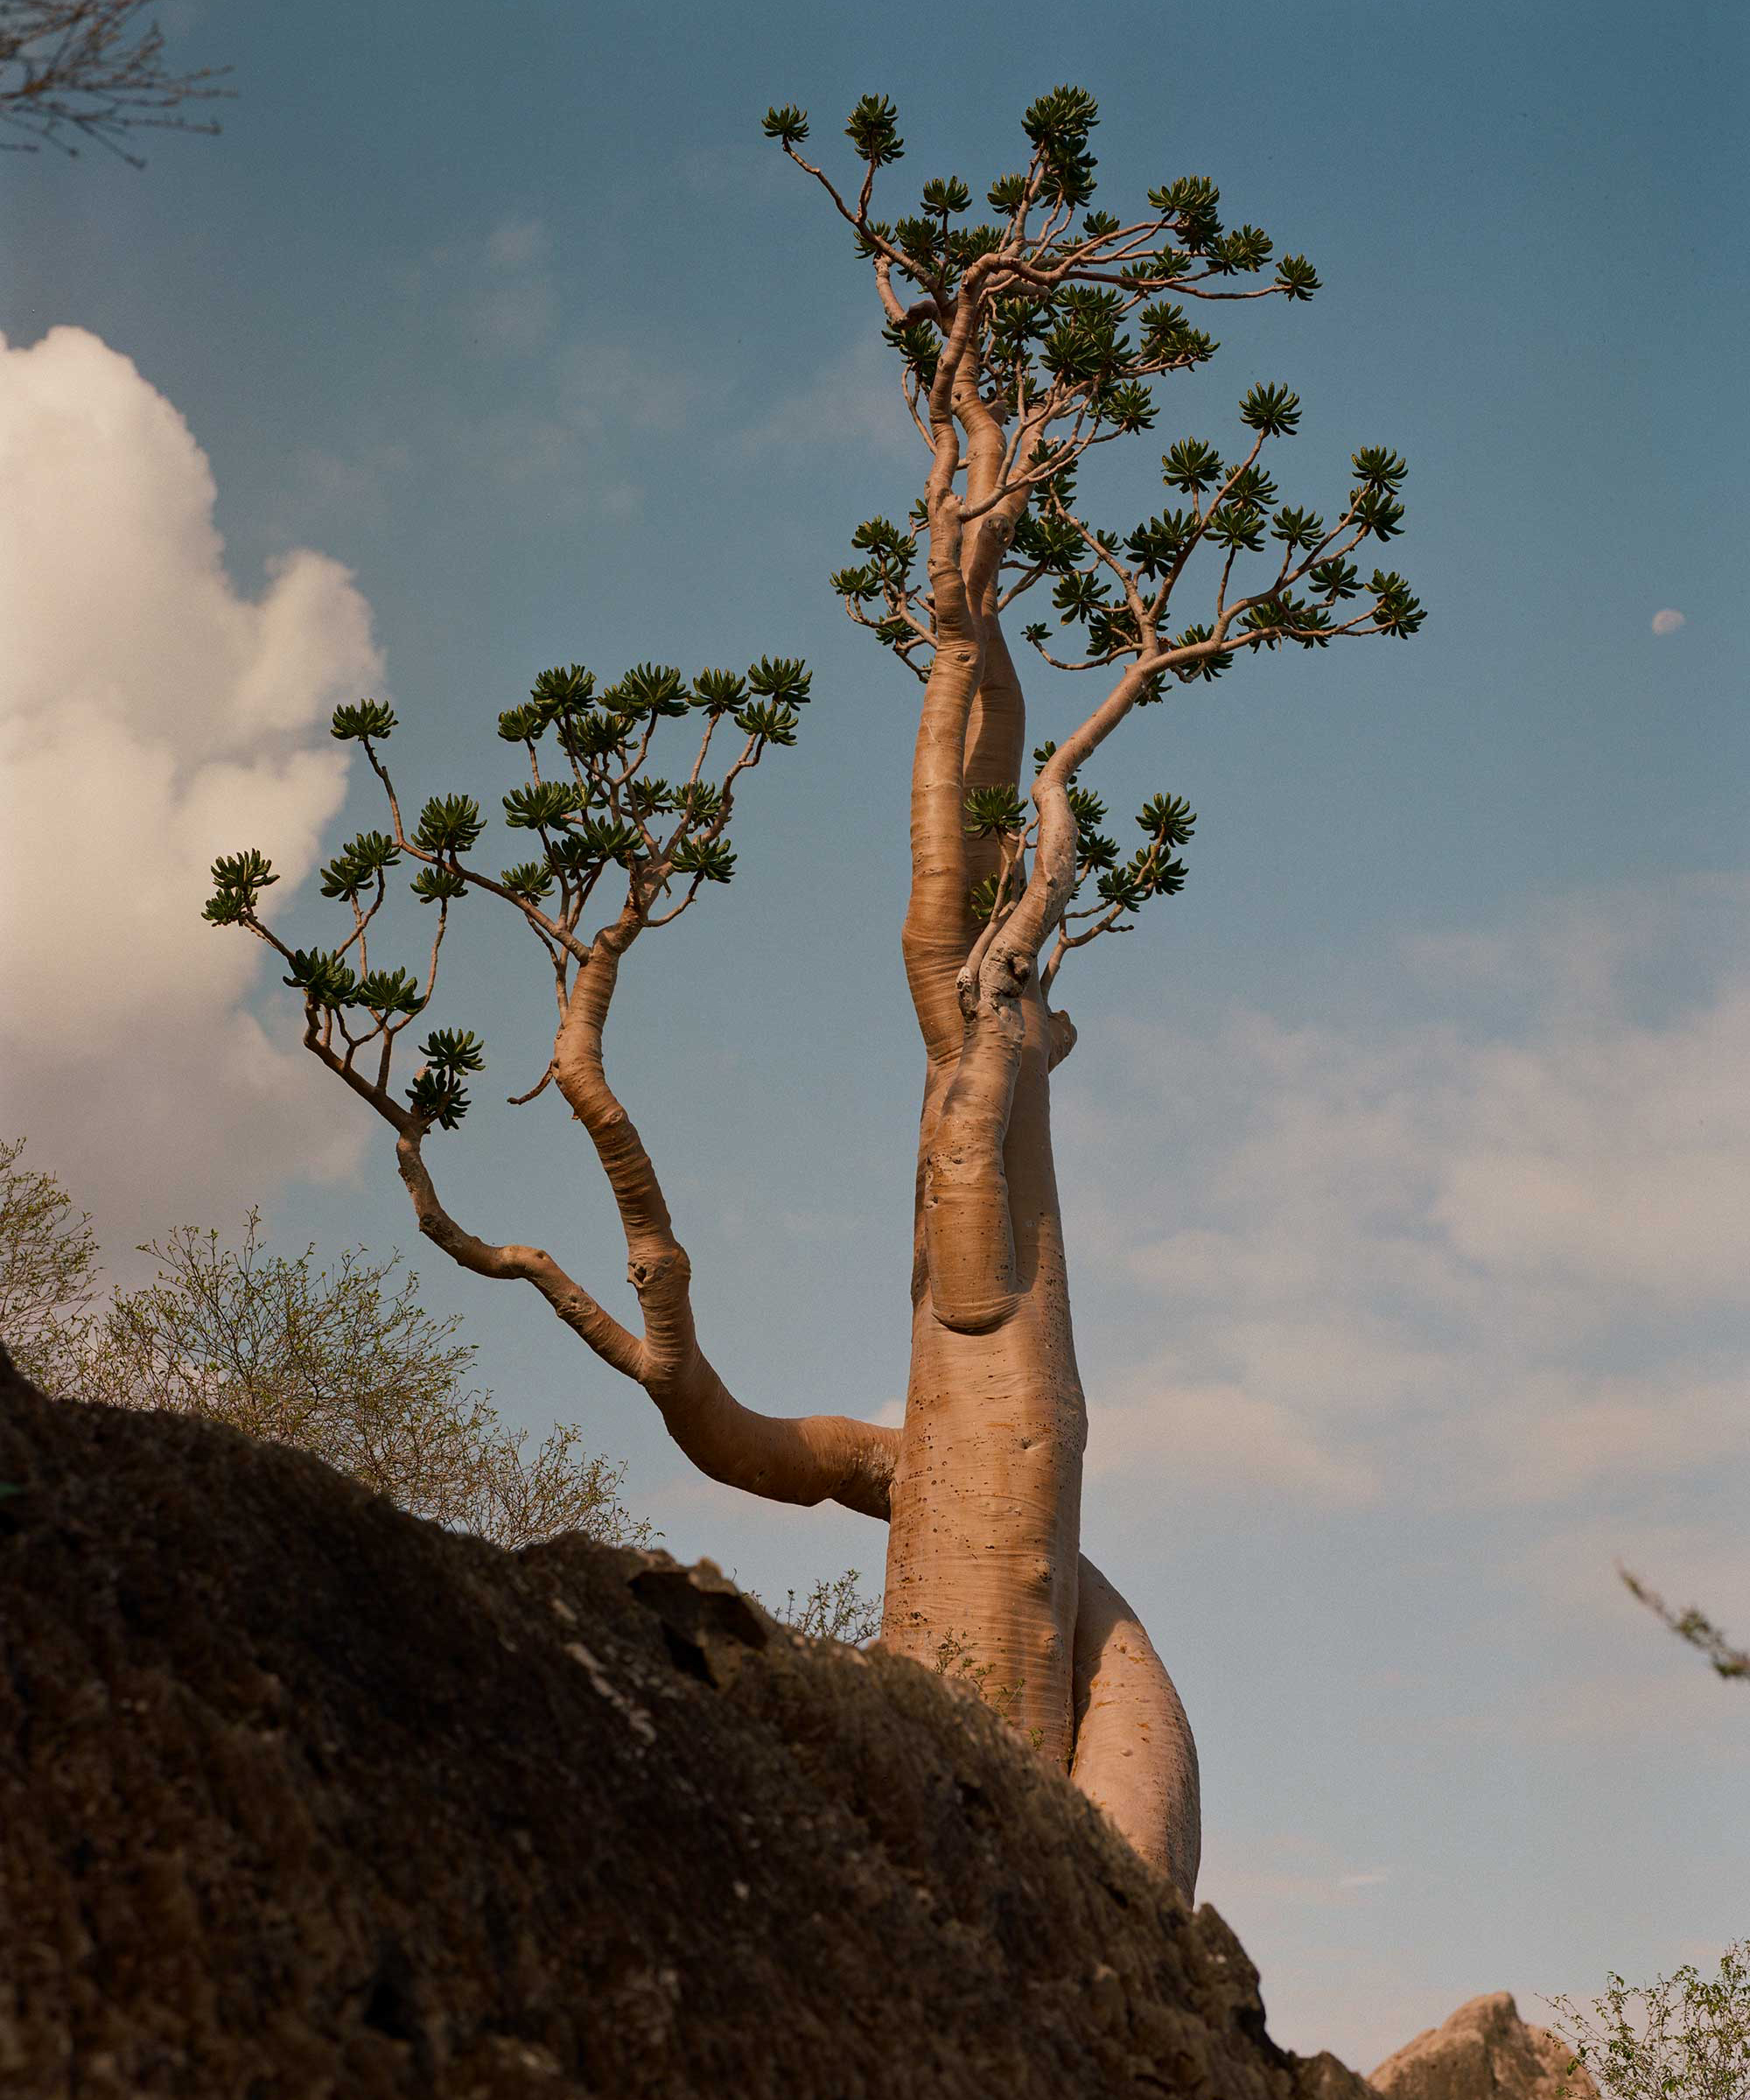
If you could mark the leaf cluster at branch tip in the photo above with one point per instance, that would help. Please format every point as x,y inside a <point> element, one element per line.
<point>438,1097</point>
<point>360,863</point>
<point>1272,410</point>
<point>438,886</point>
<point>238,881</point>
<point>386,992</point>
<point>436,1094</point>
<point>788,124</point>
<point>361,719</point>
<point>873,130</point>
<point>529,881</point>
<point>454,1050</point>
<point>449,823</point>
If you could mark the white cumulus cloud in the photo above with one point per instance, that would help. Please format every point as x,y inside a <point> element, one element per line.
<point>150,717</point>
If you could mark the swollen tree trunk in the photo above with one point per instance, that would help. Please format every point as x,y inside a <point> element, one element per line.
<point>984,1536</point>
<point>984,1572</point>
<point>984,1533</point>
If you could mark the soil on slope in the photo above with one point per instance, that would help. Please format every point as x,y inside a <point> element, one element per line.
<point>301,1796</point>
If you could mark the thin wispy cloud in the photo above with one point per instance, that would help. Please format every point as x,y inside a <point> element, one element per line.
<point>516,310</point>
<point>584,398</point>
<point>602,386</point>
<point>1283,1869</point>
<point>853,402</point>
<point>1601,1710</point>
<point>1445,1262</point>
<point>1233,1439</point>
<point>593,402</point>
<point>346,492</point>
<point>517,244</point>
<point>497,287</point>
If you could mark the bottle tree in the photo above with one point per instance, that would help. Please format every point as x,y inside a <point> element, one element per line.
<point>1022,342</point>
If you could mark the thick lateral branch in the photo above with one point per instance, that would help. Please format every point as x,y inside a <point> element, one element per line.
<point>806,1459</point>
<point>657,1263</point>
<point>611,1341</point>
<point>939,927</point>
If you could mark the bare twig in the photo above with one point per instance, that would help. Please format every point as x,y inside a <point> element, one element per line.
<point>68,66</point>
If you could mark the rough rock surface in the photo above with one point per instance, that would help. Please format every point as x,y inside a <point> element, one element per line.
<point>300,1797</point>
<point>1484,2051</point>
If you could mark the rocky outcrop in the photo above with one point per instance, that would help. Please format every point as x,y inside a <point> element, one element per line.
<point>1484,2051</point>
<point>300,1797</point>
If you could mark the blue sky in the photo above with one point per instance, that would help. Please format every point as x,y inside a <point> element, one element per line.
<point>1404,1156</point>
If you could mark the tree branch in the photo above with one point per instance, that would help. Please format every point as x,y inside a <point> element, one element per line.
<point>84,83</point>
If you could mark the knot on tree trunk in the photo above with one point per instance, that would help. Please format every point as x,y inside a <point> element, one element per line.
<point>1005,973</point>
<point>644,1271</point>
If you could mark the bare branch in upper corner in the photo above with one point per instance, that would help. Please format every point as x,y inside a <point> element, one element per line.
<point>94,68</point>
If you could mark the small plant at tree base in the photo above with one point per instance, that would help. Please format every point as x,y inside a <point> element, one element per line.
<point>835,1609</point>
<point>1695,2046</point>
<point>1023,342</point>
<point>953,1660</point>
